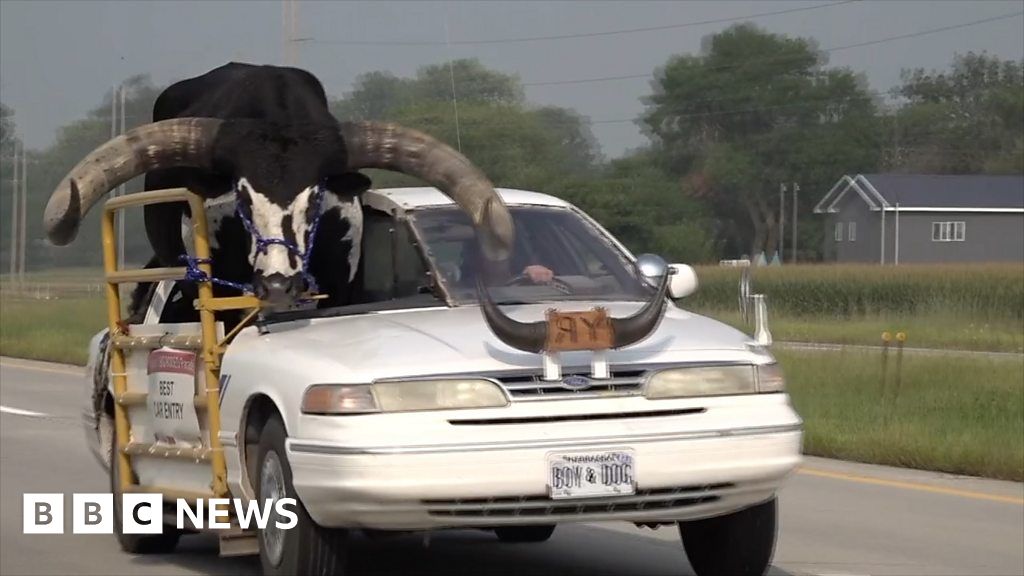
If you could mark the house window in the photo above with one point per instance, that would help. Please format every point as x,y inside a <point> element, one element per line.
<point>852,231</point>
<point>949,231</point>
<point>839,231</point>
<point>959,231</point>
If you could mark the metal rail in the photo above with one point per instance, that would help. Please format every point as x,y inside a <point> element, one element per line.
<point>207,343</point>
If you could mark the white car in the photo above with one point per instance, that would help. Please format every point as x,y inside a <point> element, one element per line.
<point>407,412</point>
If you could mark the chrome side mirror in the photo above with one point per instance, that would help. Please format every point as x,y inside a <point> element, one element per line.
<point>652,268</point>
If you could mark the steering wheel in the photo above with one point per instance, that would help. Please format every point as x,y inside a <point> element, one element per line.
<point>556,283</point>
<point>520,280</point>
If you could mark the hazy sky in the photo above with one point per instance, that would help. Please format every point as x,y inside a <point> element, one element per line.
<point>58,58</point>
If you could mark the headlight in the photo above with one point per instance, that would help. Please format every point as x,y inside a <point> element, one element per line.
<point>702,381</point>
<point>411,395</point>
<point>715,381</point>
<point>403,396</point>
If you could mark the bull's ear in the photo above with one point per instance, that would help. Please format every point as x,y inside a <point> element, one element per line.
<point>349,183</point>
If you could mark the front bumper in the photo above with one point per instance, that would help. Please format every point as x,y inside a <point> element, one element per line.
<point>681,475</point>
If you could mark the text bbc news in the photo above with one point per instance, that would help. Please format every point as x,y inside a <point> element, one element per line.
<point>144,513</point>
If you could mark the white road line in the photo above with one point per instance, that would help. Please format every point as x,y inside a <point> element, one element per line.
<point>20,412</point>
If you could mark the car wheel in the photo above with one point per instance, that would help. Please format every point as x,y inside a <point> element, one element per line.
<point>737,544</point>
<point>306,548</point>
<point>525,533</point>
<point>136,543</point>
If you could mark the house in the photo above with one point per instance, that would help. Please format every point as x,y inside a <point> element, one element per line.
<point>918,218</point>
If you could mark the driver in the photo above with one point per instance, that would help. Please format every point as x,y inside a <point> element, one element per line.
<point>469,267</point>
<point>538,274</point>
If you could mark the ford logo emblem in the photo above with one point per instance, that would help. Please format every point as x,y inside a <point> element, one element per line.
<point>576,382</point>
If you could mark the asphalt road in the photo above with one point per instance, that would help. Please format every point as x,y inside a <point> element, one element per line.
<point>837,518</point>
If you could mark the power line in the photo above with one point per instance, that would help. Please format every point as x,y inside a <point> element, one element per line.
<point>776,58</point>
<point>578,35</point>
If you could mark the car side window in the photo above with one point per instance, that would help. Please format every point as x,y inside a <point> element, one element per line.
<point>392,266</point>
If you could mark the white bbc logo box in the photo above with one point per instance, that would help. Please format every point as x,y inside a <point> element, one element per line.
<point>92,513</point>
<point>144,513</point>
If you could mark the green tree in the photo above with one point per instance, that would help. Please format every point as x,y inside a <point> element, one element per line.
<point>8,140</point>
<point>514,143</point>
<point>645,208</point>
<point>7,129</point>
<point>379,95</point>
<point>752,111</point>
<point>967,120</point>
<point>509,143</point>
<point>376,96</point>
<point>473,81</point>
<point>74,141</point>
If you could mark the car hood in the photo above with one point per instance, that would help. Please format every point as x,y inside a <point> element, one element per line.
<point>445,340</point>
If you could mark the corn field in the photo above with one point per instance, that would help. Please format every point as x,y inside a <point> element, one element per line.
<point>981,291</point>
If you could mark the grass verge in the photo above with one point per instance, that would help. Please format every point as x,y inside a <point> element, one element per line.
<point>929,330</point>
<point>958,415</point>
<point>54,330</point>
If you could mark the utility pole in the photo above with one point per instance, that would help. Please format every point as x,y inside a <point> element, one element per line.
<point>117,94</point>
<point>289,10</point>
<point>121,192</point>
<point>290,32</point>
<point>14,211</point>
<point>451,77</point>
<point>24,210</point>
<point>782,221</point>
<point>796,188</point>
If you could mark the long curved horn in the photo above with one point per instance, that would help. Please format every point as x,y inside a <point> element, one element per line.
<point>634,328</point>
<point>532,336</point>
<point>164,144</point>
<point>399,149</point>
<point>528,336</point>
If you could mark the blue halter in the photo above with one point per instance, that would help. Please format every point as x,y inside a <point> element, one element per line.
<point>193,273</point>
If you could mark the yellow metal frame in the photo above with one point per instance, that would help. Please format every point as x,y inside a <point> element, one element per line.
<point>211,348</point>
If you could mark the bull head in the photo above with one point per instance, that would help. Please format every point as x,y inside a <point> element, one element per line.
<point>276,171</point>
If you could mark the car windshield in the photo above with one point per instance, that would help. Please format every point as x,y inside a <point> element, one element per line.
<point>583,264</point>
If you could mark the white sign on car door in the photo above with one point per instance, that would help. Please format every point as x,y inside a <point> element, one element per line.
<point>171,396</point>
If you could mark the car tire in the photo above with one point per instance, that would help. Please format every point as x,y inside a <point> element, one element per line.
<point>136,543</point>
<point>518,534</point>
<point>307,548</point>
<point>737,544</point>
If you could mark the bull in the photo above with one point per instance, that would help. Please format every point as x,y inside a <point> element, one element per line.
<point>260,145</point>
<point>279,174</point>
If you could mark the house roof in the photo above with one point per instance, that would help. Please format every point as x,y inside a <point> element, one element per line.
<point>930,192</point>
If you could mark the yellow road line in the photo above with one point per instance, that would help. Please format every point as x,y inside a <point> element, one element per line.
<point>68,371</point>
<point>911,486</point>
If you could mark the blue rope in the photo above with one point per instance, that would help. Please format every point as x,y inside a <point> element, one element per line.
<point>262,243</point>
<point>194,274</point>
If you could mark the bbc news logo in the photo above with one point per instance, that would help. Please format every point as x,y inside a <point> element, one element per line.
<point>144,513</point>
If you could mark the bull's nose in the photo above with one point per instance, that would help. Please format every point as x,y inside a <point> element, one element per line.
<point>277,288</point>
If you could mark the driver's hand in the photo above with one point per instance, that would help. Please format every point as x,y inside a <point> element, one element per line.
<point>538,274</point>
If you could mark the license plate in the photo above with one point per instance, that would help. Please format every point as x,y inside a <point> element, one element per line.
<point>591,474</point>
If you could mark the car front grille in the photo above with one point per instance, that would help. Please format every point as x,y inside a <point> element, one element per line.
<point>532,387</point>
<point>541,506</point>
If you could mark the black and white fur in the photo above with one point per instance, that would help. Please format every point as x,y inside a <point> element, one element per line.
<point>284,143</point>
